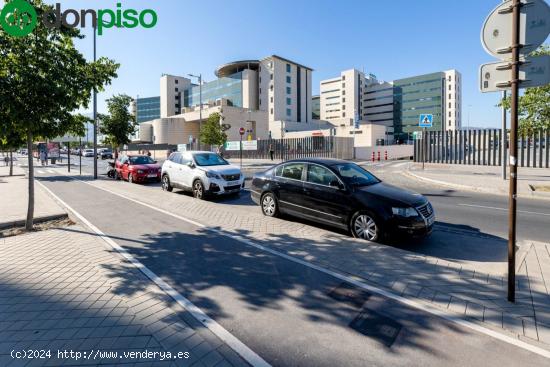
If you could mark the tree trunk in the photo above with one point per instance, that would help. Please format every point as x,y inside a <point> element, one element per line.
<point>11,163</point>
<point>30,208</point>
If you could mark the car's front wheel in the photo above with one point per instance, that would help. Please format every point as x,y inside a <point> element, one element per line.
<point>270,208</point>
<point>364,225</point>
<point>166,186</point>
<point>198,189</point>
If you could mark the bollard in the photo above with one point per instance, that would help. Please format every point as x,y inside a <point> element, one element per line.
<point>373,156</point>
<point>386,155</point>
<point>378,156</point>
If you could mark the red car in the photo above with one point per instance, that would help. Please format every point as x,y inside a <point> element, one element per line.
<point>137,168</point>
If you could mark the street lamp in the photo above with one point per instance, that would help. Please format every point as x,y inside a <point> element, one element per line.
<point>95,115</point>
<point>199,77</point>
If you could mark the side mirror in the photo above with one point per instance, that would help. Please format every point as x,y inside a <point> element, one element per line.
<point>156,161</point>
<point>190,164</point>
<point>336,184</point>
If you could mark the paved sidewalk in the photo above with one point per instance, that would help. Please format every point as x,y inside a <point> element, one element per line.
<point>532,182</point>
<point>65,289</point>
<point>477,292</point>
<point>13,196</point>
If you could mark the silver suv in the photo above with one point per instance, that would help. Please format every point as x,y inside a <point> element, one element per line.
<point>203,173</point>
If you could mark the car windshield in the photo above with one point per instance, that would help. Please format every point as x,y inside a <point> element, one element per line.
<point>355,175</point>
<point>209,159</point>
<point>141,160</point>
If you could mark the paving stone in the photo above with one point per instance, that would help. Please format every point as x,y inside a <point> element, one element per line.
<point>474,310</point>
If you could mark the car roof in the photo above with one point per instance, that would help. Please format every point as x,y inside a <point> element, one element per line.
<point>325,161</point>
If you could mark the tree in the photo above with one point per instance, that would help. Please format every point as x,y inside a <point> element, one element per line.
<point>43,79</point>
<point>212,132</point>
<point>534,105</point>
<point>10,139</point>
<point>119,124</point>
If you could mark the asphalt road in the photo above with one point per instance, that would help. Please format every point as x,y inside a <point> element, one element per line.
<point>280,309</point>
<point>472,211</point>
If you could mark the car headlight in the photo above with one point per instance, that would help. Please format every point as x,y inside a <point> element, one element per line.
<point>213,175</point>
<point>405,212</point>
<point>139,171</point>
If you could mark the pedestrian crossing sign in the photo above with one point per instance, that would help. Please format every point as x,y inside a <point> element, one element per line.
<point>426,120</point>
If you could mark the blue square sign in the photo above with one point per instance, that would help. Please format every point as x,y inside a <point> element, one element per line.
<point>425,120</point>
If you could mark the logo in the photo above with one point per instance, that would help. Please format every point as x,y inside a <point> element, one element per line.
<point>18,18</point>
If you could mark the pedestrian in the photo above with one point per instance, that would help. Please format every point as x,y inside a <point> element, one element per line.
<point>46,156</point>
<point>42,157</point>
<point>271,151</point>
<point>6,160</point>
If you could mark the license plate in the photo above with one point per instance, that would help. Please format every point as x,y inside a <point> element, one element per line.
<point>152,175</point>
<point>233,183</point>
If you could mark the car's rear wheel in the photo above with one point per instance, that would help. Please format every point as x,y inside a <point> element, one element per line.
<point>364,225</point>
<point>166,186</point>
<point>198,189</point>
<point>269,205</point>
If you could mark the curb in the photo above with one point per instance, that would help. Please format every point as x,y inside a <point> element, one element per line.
<point>471,188</point>
<point>36,220</point>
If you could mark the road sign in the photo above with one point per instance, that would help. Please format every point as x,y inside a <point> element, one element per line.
<point>496,33</point>
<point>426,120</point>
<point>242,131</point>
<point>534,72</point>
<point>182,147</point>
<point>233,145</point>
<point>250,145</point>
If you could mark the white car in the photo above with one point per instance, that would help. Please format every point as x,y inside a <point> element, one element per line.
<point>88,153</point>
<point>203,173</point>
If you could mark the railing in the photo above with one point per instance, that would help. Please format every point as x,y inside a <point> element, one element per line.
<point>481,147</point>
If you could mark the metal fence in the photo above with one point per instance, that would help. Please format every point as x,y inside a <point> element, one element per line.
<point>313,146</point>
<point>481,147</point>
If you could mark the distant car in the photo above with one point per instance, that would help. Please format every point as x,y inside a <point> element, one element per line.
<point>342,194</point>
<point>202,173</point>
<point>88,153</point>
<point>63,151</point>
<point>23,151</point>
<point>106,154</point>
<point>137,168</point>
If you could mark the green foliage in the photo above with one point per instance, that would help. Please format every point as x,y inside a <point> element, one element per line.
<point>212,132</point>
<point>119,124</point>
<point>534,105</point>
<point>44,78</point>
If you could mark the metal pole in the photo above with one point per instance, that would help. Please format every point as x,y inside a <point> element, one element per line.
<point>423,147</point>
<point>503,137</point>
<point>241,150</point>
<point>200,110</point>
<point>513,152</point>
<point>80,156</point>
<point>95,116</point>
<point>68,156</point>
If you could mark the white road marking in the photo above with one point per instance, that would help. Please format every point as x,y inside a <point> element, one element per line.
<point>400,164</point>
<point>40,171</point>
<point>385,293</point>
<point>51,171</point>
<point>503,209</point>
<point>239,347</point>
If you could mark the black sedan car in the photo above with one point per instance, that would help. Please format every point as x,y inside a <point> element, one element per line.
<point>342,194</point>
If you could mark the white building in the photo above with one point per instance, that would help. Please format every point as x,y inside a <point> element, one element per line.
<point>453,100</point>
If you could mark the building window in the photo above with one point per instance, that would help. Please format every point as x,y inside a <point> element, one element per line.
<point>343,100</point>
<point>288,90</point>
<point>343,77</point>
<point>343,114</point>
<point>271,99</point>
<point>288,112</point>
<point>177,81</point>
<point>449,122</point>
<point>288,80</point>
<point>270,76</point>
<point>271,111</point>
<point>260,90</point>
<point>177,90</point>
<point>288,101</point>
<point>449,113</point>
<point>449,87</point>
<point>449,78</point>
<point>449,95</point>
<point>288,68</point>
<point>343,85</point>
<point>344,107</point>
<point>449,104</point>
<point>271,87</point>
<point>343,92</point>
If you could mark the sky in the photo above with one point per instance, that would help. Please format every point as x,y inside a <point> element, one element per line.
<point>391,39</point>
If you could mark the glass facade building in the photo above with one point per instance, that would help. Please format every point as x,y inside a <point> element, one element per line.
<point>228,87</point>
<point>316,108</point>
<point>418,95</point>
<point>148,109</point>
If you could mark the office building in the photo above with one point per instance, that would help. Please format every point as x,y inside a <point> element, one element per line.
<point>146,109</point>
<point>316,107</point>
<point>171,88</point>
